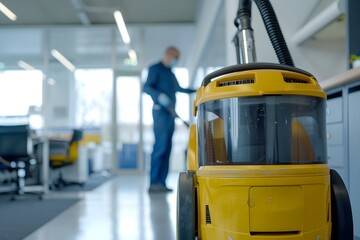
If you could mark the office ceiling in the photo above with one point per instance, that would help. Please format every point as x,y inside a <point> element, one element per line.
<point>60,12</point>
<point>92,47</point>
<point>152,25</point>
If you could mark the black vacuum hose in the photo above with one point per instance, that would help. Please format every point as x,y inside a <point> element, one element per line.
<point>272,27</point>
<point>243,10</point>
<point>274,31</point>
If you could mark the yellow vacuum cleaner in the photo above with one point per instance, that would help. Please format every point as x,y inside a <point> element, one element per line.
<point>257,159</point>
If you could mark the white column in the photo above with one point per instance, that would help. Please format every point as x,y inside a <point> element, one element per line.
<point>205,22</point>
<point>45,105</point>
<point>72,100</point>
<point>114,127</point>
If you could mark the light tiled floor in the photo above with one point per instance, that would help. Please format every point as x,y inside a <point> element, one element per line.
<point>118,209</point>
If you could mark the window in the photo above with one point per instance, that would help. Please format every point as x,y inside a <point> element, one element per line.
<point>128,96</point>
<point>182,108</point>
<point>20,90</point>
<point>93,97</point>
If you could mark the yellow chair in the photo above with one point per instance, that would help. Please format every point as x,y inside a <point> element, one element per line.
<point>64,152</point>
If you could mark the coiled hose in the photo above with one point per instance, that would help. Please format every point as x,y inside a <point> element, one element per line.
<point>274,31</point>
<point>272,27</point>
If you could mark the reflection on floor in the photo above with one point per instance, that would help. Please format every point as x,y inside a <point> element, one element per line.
<point>119,209</point>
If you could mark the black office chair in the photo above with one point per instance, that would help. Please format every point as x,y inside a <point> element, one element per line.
<point>16,151</point>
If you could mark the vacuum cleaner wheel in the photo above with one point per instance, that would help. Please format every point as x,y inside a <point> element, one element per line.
<point>186,207</point>
<point>341,215</point>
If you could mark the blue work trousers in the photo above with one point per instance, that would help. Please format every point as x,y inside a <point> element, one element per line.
<point>164,126</point>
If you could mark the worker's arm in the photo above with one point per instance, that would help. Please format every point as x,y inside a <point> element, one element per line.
<point>150,85</point>
<point>151,89</point>
<point>184,90</point>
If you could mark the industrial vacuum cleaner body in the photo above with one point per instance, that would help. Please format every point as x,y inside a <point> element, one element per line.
<point>257,159</point>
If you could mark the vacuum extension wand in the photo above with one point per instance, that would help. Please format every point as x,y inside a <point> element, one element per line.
<point>244,38</point>
<point>175,115</point>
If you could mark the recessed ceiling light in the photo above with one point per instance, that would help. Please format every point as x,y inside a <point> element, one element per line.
<point>24,65</point>
<point>7,12</point>
<point>63,60</point>
<point>122,27</point>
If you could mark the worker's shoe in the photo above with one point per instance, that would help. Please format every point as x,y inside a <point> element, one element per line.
<point>158,188</point>
<point>166,189</point>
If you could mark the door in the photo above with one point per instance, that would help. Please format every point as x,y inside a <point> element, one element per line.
<point>129,124</point>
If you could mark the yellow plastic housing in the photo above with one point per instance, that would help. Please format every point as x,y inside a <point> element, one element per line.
<point>192,160</point>
<point>264,202</point>
<point>260,202</point>
<point>265,82</point>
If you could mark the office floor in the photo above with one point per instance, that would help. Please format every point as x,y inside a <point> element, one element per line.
<point>119,209</point>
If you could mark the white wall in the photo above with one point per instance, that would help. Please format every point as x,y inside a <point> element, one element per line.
<point>209,10</point>
<point>322,57</point>
<point>157,38</point>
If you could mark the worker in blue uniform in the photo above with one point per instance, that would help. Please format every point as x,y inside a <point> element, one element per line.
<point>162,85</point>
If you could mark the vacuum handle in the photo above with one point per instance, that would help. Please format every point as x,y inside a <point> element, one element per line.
<point>175,115</point>
<point>251,66</point>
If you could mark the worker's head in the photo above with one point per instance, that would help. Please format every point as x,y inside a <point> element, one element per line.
<point>171,56</point>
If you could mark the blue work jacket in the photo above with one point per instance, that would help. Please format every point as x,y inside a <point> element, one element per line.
<point>162,80</point>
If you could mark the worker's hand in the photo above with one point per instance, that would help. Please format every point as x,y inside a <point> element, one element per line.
<point>164,100</point>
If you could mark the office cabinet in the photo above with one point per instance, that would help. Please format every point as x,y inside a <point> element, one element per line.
<point>354,154</point>
<point>336,156</point>
<point>343,142</point>
<point>334,134</point>
<point>334,111</point>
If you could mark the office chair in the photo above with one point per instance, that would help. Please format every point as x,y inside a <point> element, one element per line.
<point>16,152</point>
<point>64,153</point>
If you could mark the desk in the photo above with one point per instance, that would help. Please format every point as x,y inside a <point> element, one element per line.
<point>44,187</point>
